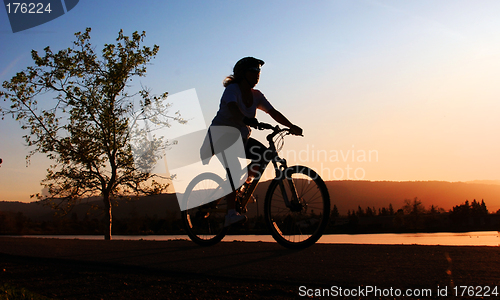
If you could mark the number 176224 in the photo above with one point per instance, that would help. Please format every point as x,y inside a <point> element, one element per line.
<point>28,8</point>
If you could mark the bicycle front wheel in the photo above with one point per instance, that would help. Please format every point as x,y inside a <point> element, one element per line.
<point>302,223</point>
<point>205,224</point>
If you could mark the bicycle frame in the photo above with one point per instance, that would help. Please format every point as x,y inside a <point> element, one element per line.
<point>280,165</point>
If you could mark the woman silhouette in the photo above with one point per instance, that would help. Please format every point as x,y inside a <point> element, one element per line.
<point>238,107</point>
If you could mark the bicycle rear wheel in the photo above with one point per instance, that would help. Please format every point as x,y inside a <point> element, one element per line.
<point>302,224</point>
<point>205,224</point>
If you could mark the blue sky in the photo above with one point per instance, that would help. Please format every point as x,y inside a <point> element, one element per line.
<point>414,80</point>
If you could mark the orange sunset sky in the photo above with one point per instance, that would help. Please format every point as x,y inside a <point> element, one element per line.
<point>411,88</point>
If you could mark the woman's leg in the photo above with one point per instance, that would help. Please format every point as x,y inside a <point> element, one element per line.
<point>231,200</point>
<point>232,216</point>
<point>254,150</point>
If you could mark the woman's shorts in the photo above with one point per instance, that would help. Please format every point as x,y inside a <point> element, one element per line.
<point>254,150</point>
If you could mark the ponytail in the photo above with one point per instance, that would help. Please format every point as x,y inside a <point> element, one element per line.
<point>228,80</point>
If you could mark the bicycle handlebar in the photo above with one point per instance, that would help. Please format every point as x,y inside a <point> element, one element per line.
<point>262,126</point>
<point>276,129</point>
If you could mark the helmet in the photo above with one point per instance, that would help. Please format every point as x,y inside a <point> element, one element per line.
<point>247,64</point>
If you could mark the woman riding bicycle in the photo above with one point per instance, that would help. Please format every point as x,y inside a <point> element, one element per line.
<point>238,107</point>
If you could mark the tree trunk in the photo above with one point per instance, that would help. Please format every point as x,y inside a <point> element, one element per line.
<point>108,217</point>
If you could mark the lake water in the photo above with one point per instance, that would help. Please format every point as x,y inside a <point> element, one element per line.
<point>483,238</point>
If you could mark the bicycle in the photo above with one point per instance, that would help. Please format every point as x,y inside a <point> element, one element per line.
<point>296,206</point>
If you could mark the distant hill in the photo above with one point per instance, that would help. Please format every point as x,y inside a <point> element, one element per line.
<point>497,182</point>
<point>347,195</point>
<point>31,210</point>
<point>158,205</point>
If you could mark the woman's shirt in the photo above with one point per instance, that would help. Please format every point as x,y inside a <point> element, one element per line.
<point>232,93</point>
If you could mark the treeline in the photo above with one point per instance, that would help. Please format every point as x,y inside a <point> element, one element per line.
<point>135,224</point>
<point>412,217</point>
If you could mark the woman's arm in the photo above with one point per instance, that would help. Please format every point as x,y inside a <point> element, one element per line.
<point>280,118</point>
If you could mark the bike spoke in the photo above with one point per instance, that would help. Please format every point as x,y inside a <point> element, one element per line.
<point>301,224</point>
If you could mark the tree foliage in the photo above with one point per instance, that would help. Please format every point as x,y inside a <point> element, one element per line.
<point>77,109</point>
<point>467,212</point>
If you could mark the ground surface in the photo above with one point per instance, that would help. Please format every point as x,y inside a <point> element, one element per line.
<point>91,269</point>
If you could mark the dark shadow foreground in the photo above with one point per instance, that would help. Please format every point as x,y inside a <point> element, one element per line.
<point>78,269</point>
